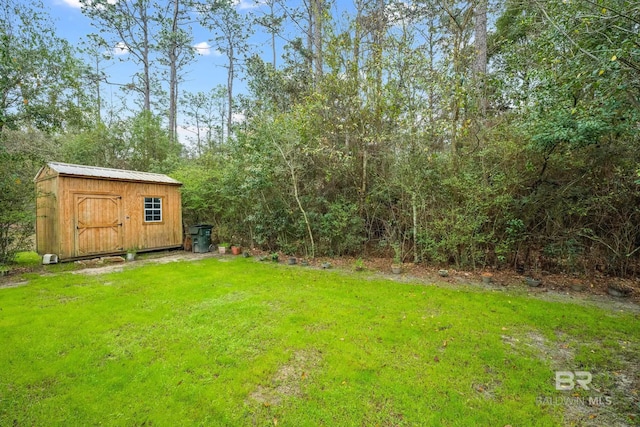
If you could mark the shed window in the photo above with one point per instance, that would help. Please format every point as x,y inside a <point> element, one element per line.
<point>152,209</point>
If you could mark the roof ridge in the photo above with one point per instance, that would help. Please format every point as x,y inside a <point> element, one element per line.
<point>102,168</point>
<point>70,169</point>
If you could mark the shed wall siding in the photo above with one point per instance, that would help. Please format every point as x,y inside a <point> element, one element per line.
<point>135,233</point>
<point>47,237</point>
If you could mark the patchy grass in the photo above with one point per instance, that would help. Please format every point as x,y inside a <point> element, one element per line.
<point>27,259</point>
<point>237,342</point>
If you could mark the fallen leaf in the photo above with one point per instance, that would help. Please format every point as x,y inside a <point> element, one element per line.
<point>444,343</point>
<point>436,359</point>
<point>275,421</point>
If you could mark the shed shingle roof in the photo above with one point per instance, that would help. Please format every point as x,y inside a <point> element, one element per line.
<point>67,169</point>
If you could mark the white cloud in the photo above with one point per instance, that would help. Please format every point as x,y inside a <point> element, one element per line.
<point>202,48</point>
<point>238,117</point>
<point>73,3</point>
<point>248,4</point>
<point>120,48</point>
<point>77,5</point>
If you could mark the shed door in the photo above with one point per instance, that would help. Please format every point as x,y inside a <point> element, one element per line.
<point>98,222</point>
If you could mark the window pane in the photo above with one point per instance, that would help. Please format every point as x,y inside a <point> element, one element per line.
<point>152,209</point>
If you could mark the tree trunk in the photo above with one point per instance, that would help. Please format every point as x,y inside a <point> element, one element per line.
<point>173,74</point>
<point>144,22</point>
<point>416,258</point>
<point>294,182</point>
<point>230,77</point>
<point>480,63</point>
<point>317,11</point>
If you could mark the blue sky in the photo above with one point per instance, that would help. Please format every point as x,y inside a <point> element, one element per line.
<point>206,71</point>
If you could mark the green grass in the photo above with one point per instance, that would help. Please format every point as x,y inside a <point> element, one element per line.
<point>238,342</point>
<point>29,259</point>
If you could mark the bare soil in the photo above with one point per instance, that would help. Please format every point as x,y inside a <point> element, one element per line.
<point>289,379</point>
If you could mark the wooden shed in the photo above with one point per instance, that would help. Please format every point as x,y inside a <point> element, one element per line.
<point>84,211</point>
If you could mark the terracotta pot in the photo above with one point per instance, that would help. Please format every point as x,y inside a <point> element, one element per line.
<point>236,250</point>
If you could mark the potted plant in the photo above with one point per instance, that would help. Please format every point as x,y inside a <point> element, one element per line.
<point>236,250</point>
<point>131,254</point>
<point>222,248</point>
<point>487,277</point>
<point>275,257</point>
<point>396,267</point>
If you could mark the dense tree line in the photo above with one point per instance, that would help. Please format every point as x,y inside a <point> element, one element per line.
<point>411,129</point>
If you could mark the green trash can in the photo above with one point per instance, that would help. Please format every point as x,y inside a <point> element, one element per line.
<point>201,237</point>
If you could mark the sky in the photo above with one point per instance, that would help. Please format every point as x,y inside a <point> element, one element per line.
<point>206,71</point>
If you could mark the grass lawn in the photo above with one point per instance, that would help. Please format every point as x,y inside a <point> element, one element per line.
<point>237,342</point>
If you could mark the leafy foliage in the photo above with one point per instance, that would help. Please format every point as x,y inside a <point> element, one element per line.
<point>40,78</point>
<point>380,130</point>
<point>21,155</point>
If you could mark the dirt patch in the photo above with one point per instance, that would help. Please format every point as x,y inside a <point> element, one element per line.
<point>558,354</point>
<point>95,267</point>
<point>8,284</point>
<point>613,398</point>
<point>289,379</point>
